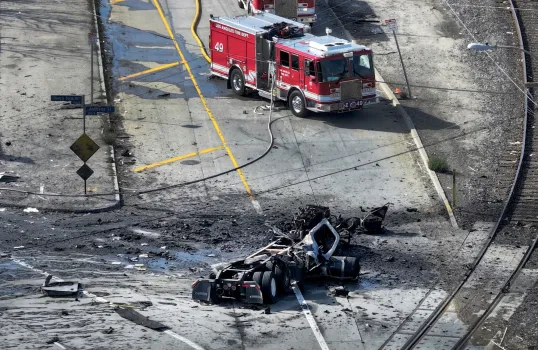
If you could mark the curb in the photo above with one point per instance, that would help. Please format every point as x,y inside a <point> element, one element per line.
<point>418,143</point>
<point>117,196</point>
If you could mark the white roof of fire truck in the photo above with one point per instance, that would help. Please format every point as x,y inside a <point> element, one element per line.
<point>320,46</point>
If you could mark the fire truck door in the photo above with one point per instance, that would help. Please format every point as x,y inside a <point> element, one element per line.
<point>288,70</point>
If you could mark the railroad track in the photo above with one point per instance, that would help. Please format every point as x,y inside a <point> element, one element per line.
<point>461,314</point>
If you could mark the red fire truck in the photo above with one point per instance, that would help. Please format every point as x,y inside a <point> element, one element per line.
<point>298,10</point>
<point>273,55</point>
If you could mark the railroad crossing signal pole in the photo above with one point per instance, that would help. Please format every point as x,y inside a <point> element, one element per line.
<point>391,23</point>
<point>92,38</point>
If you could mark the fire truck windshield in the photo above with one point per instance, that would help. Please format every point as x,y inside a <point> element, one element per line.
<point>332,70</point>
<point>362,66</point>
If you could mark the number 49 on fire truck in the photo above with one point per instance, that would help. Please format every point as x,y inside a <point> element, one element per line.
<point>277,58</point>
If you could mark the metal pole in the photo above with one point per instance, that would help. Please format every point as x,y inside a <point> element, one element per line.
<point>453,188</point>
<point>91,70</point>
<point>403,66</point>
<point>85,192</point>
<point>83,115</point>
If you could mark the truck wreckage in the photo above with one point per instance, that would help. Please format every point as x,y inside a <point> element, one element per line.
<point>307,250</point>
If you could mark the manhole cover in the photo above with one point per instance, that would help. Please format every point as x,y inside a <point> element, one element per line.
<point>190,162</point>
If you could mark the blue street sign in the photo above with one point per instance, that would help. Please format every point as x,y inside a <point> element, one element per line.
<point>75,100</point>
<point>93,110</point>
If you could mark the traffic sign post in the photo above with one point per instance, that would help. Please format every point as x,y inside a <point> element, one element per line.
<point>393,26</point>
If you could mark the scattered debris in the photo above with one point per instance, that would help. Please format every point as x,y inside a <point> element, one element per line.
<point>19,247</point>
<point>110,330</point>
<point>140,320</point>
<point>64,313</point>
<point>411,210</point>
<point>390,259</point>
<point>60,289</point>
<point>267,311</point>
<point>127,153</point>
<point>31,210</point>
<point>164,95</point>
<point>340,292</point>
<point>53,340</point>
<point>8,143</point>
<point>8,177</point>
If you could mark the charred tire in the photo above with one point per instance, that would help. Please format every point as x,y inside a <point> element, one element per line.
<point>269,287</point>
<point>257,277</point>
<point>297,104</point>
<point>240,3</point>
<point>237,81</point>
<point>283,279</point>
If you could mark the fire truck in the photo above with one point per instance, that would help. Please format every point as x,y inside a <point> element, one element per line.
<point>280,60</point>
<point>298,10</point>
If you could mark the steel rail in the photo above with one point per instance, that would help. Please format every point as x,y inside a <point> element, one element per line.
<point>439,311</point>
<point>528,109</point>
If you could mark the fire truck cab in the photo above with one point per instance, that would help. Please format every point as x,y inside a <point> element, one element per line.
<point>281,61</point>
<point>303,11</point>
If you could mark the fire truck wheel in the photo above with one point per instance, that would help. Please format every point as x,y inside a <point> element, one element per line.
<point>240,3</point>
<point>297,104</point>
<point>238,82</point>
<point>269,287</point>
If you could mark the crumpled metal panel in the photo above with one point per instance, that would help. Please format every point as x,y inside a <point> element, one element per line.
<point>286,8</point>
<point>350,90</point>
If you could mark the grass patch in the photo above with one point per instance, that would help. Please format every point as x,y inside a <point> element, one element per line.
<point>109,136</point>
<point>438,164</point>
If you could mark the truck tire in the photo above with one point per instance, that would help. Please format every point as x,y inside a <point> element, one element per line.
<point>283,280</point>
<point>240,3</point>
<point>257,277</point>
<point>237,81</point>
<point>297,104</point>
<point>269,287</point>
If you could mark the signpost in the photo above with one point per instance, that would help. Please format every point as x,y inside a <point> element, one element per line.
<point>84,147</point>
<point>393,26</point>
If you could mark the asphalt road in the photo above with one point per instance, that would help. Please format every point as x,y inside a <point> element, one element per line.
<point>202,128</point>
<point>221,219</point>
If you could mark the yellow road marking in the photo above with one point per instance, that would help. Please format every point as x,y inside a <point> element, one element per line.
<point>175,159</point>
<point>148,71</point>
<point>114,2</point>
<point>202,99</point>
<point>196,19</point>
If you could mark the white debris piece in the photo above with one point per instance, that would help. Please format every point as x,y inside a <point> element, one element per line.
<point>31,210</point>
<point>19,247</point>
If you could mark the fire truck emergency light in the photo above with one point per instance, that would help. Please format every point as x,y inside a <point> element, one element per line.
<point>328,30</point>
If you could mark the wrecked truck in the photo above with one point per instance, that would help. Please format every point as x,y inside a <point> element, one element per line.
<point>263,276</point>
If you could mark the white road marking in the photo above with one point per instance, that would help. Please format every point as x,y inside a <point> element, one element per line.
<point>103,300</point>
<point>310,317</point>
<point>183,339</point>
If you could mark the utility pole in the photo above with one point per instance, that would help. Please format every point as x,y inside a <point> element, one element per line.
<point>391,23</point>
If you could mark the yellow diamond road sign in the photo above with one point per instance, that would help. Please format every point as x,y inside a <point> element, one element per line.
<point>84,147</point>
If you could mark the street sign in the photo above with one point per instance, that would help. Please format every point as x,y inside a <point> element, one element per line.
<point>85,172</point>
<point>93,110</point>
<point>84,147</point>
<point>74,99</point>
<point>391,23</point>
<point>92,38</point>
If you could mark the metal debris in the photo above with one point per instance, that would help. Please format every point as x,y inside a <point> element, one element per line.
<point>60,289</point>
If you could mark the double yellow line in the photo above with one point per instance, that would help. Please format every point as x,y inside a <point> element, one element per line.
<point>199,91</point>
